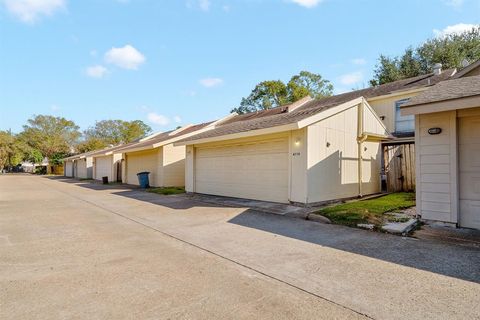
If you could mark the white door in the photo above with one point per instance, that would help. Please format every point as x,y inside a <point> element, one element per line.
<point>256,170</point>
<point>69,169</point>
<point>103,168</point>
<point>469,171</point>
<point>141,162</point>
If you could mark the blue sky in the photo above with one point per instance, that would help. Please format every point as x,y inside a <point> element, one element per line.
<point>188,61</point>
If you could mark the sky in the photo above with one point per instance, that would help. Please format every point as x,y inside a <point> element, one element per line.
<point>176,62</point>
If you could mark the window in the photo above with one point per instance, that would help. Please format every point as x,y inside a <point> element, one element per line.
<point>403,123</point>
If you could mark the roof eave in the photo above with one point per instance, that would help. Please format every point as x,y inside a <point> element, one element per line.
<point>439,106</point>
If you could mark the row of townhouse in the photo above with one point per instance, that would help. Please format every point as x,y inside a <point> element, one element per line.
<point>313,151</point>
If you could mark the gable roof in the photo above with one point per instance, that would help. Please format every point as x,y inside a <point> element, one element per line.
<point>80,155</point>
<point>161,138</point>
<point>467,69</point>
<point>447,90</point>
<point>280,116</point>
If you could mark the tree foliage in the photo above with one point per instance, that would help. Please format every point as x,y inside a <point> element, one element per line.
<point>449,50</point>
<point>274,93</point>
<point>50,135</point>
<point>112,132</point>
<point>10,153</point>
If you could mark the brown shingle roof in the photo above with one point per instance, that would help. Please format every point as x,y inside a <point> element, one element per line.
<point>164,136</point>
<point>448,90</point>
<point>280,116</point>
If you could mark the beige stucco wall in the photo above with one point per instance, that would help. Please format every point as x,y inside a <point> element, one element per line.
<point>386,107</point>
<point>173,165</point>
<point>332,161</point>
<point>436,166</point>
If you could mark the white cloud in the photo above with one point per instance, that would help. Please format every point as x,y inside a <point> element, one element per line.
<point>359,61</point>
<point>177,119</point>
<point>454,29</point>
<point>307,3</point>
<point>454,3</point>
<point>97,71</point>
<point>93,53</point>
<point>29,11</point>
<point>159,119</point>
<point>54,108</point>
<point>211,82</point>
<point>351,78</point>
<point>203,5</point>
<point>126,57</point>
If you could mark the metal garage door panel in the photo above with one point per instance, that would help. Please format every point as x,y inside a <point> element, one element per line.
<point>68,169</point>
<point>140,162</point>
<point>253,171</point>
<point>103,168</point>
<point>469,171</point>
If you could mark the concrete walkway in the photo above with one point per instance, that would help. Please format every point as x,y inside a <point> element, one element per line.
<point>111,251</point>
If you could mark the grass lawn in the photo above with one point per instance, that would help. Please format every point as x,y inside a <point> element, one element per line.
<point>167,190</point>
<point>368,211</point>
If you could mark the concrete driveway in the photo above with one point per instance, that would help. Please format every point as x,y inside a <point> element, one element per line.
<point>76,250</point>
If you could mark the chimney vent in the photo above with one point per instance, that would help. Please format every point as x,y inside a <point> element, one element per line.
<point>437,69</point>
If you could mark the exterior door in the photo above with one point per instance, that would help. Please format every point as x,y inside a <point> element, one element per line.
<point>257,170</point>
<point>469,171</point>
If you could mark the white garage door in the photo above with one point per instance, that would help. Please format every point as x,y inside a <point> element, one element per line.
<point>103,168</point>
<point>140,162</point>
<point>69,169</point>
<point>469,171</point>
<point>252,171</point>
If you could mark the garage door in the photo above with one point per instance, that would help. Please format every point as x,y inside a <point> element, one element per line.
<point>250,170</point>
<point>69,169</point>
<point>103,168</point>
<point>469,171</point>
<point>140,162</point>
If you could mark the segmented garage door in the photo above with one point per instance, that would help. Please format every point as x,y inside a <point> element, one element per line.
<point>256,170</point>
<point>103,168</point>
<point>140,162</point>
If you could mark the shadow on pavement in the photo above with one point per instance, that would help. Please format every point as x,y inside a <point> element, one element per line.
<point>462,262</point>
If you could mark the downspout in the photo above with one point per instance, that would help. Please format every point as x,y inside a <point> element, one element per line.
<point>361,137</point>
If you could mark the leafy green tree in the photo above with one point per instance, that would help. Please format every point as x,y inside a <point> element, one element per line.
<point>50,135</point>
<point>10,152</point>
<point>112,132</point>
<point>450,50</point>
<point>274,93</point>
<point>307,83</point>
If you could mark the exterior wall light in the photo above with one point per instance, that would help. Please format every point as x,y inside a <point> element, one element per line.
<point>434,131</point>
<point>297,141</point>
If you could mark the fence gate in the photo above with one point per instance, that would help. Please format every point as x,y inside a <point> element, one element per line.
<point>399,166</point>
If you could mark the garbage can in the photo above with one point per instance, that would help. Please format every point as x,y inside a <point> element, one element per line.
<point>105,180</point>
<point>143,179</point>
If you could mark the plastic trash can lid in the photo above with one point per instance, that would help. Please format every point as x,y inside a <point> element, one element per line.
<point>145,172</point>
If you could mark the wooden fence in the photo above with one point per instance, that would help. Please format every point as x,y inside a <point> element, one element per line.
<point>399,166</point>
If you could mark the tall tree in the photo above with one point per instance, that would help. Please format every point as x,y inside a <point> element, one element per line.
<point>52,136</point>
<point>307,83</point>
<point>449,50</point>
<point>274,93</point>
<point>112,132</point>
<point>10,153</point>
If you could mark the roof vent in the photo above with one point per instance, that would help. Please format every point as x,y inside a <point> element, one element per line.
<point>437,69</point>
<point>299,103</point>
